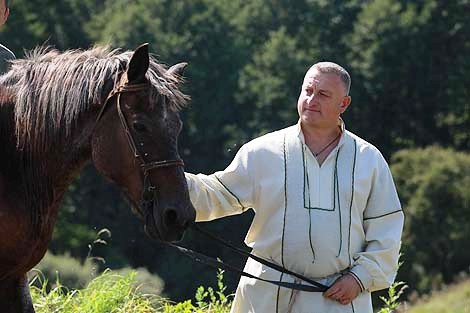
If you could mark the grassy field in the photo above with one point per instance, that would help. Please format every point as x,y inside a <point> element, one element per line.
<point>455,299</point>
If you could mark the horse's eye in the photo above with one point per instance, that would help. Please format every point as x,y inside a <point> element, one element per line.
<point>139,127</point>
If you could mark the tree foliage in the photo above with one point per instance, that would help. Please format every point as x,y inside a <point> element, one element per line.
<point>433,186</point>
<point>409,58</point>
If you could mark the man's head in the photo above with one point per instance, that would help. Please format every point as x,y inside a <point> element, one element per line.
<point>4,11</point>
<point>324,95</point>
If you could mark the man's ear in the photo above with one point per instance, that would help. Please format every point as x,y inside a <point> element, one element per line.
<point>5,16</point>
<point>345,103</point>
<point>139,64</point>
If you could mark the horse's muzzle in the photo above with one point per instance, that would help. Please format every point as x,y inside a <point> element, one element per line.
<point>168,227</point>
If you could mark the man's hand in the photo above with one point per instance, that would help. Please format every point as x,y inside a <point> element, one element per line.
<point>344,289</point>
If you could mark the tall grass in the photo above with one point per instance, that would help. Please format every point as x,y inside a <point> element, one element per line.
<point>105,294</point>
<point>114,293</point>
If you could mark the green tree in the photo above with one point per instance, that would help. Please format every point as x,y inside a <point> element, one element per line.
<point>58,23</point>
<point>409,59</point>
<point>433,187</point>
<point>284,38</point>
<point>195,32</point>
<point>269,85</point>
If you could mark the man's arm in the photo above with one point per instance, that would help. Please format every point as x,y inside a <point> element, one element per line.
<point>5,55</point>
<point>375,268</point>
<point>223,193</point>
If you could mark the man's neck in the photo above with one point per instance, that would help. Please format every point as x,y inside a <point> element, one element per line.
<point>318,135</point>
<point>321,141</point>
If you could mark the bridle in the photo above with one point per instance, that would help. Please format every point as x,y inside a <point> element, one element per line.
<point>149,196</point>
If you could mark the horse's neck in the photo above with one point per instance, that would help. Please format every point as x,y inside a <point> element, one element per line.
<point>38,183</point>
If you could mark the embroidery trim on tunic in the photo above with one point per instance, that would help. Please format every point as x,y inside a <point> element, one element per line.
<point>307,204</point>
<point>335,196</point>
<point>358,279</point>
<point>230,192</point>
<point>383,215</point>
<point>310,234</point>
<point>351,202</point>
<point>284,221</point>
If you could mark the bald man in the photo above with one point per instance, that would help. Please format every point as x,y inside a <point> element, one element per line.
<point>325,206</point>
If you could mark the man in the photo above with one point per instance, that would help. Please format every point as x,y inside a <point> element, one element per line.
<point>325,206</point>
<point>5,53</point>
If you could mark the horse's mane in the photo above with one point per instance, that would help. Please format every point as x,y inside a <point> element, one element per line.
<point>52,90</point>
<point>42,99</point>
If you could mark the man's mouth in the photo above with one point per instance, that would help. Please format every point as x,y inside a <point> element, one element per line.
<point>312,110</point>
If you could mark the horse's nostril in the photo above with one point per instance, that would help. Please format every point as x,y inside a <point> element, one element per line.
<point>185,225</point>
<point>171,217</point>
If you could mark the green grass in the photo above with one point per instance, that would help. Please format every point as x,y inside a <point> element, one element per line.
<point>454,299</point>
<point>113,293</point>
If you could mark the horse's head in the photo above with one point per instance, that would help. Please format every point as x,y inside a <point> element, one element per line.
<point>135,145</point>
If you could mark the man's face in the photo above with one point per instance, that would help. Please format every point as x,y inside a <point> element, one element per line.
<point>3,12</point>
<point>321,100</point>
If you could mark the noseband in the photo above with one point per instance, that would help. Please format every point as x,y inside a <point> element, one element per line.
<point>149,196</point>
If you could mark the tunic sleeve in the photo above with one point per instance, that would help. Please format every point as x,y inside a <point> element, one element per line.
<point>5,55</point>
<point>223,193</point>
<point>377,265</point>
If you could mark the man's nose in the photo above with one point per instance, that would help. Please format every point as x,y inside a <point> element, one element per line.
<point>311,98</point>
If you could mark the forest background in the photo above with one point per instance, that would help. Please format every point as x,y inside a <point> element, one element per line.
<point>410,68</point>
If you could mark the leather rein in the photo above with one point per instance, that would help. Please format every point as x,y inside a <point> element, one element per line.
<point>150,190</point>
<point>218,264</point>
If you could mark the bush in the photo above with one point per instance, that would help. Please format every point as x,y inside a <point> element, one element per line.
<point>144,281</point>
<point>433,187</point>
<point>71,272</point>
<point>75,275</point>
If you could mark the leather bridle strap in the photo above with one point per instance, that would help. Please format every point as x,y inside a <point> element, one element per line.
<point>119,89</point>
<point>146,166</point>
<point>166,163</point>
<point>314,287</point>
<point>122,89</point>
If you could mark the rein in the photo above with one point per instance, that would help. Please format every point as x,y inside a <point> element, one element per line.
<point>215,263</point>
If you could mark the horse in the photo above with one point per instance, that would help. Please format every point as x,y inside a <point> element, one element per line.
<point>60,110</point>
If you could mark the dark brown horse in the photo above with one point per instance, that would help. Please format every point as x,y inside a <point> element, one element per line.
<point>58,111</point>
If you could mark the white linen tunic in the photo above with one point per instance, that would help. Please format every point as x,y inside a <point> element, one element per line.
<point>318,221</point>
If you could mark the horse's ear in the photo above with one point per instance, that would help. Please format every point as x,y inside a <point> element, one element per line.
<point>177,69</point>
<point>139,64</point>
